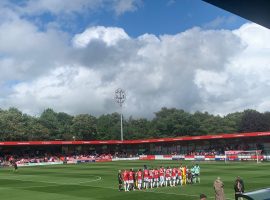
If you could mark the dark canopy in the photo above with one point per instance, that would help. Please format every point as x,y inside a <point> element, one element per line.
<point>263,194</point>
<point>257,11</point>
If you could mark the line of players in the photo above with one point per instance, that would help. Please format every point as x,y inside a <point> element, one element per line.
<point>158,177</point>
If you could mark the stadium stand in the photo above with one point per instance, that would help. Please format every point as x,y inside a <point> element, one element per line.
<point>211,147</point>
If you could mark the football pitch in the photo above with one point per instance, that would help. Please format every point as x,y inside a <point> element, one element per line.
<point>99,181</point>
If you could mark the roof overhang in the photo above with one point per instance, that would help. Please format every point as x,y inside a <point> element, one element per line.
<point>257,11</point>
<point>141,141</point>
<point>263,194</point>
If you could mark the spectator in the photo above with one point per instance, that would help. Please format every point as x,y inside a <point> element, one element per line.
<point>239,187</point>
<point>203,197</point>
<point>219,189</point>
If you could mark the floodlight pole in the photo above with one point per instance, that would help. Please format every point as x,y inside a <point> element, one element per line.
<point>120,97</point>
<point>122,135</point>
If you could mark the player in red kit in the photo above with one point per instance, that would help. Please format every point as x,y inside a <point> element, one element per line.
<point>139,176</point>
<point>146,178</point>
<point>151,177</point>
<point>168,176</point>
<point>131,179</point>
<point>161,176</point>
<point>156,178</point>
<point>125,178</point>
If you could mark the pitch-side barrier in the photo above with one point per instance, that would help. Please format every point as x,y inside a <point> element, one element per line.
<point>205,157</point>
<point>155,157</point>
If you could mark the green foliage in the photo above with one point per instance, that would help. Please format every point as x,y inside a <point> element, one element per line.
<point>253,120</point>
<point>84,127</point>
<point>13,125</point>
<point>168,122</point>
<point>108,127</point>
<point>136,128</point>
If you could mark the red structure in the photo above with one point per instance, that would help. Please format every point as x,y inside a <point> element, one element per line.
<point>188,145</point>
<point>142,141</point>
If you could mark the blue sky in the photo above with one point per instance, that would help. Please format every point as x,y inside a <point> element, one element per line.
<point>171,17</point>
<point>154,17</point>
<point>72,55</point>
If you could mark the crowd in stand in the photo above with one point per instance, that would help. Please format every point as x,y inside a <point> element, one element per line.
<point>86,157</point>
<point>27,158</point>
<point>218,149</point>
<point>39,157</point>
<point>5,161</point>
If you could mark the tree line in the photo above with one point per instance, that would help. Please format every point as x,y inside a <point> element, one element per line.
<point>167,122</point>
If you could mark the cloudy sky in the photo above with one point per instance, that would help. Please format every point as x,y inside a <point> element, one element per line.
<point>71,56</point>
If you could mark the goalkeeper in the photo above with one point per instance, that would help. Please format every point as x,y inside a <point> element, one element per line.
<point>197,171</point>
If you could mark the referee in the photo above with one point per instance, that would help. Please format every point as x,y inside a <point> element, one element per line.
<point>120,180</point>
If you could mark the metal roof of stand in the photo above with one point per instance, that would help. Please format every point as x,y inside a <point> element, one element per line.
<point>257,11</point>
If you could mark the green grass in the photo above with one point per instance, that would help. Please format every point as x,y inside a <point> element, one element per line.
<point>99,181</point>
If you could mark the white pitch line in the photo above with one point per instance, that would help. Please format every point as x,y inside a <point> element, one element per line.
<point>55,183</point>
<point>98,179</point>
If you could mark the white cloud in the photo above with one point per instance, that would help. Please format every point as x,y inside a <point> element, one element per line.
<point>67,15</point>
<point>171,2</point>
<point>214,83</point>
<point>70,7</point>
<point>109,35</point>
<point>221,21</point>
<point>55,6</point>
<point>67,88</point>
<point>244,82</point>
<point>123,6</point>
<point>219,71</point>
<point>26,52</point>
<point>254,35</point>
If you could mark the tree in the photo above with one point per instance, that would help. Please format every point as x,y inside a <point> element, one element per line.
<point>13,125</point>
<point>65,122</point>
<point>232,122</point>
<point>49,119</point>
<point>108,127</point>
<point>137,128</point>
<point>252,121</point>
<point>173,122</point>
<point>267,120</point>
<point>36,131</point>
<point>168,122</point>
<point>84,127</point>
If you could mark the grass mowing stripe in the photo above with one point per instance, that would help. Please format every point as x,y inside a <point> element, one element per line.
<point>180,194</point>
